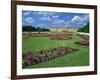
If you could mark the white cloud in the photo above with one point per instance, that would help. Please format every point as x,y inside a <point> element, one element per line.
<point>26,13</point>
<point>55,16</point>
<point>45,18</point>
<point>78,21</point>
<point>68,22</point>
<point>58,21</point>
<point>67,16</point>
<point>40,25</point>
<point>29,20</point>
<point>75,18</point>
<point>80,18</point>
<point>45,13</point>
<point>86,17</point>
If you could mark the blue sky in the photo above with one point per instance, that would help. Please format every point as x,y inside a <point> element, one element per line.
<point>53,19</point>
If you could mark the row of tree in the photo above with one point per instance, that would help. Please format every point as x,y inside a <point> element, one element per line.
<point>33,29</point>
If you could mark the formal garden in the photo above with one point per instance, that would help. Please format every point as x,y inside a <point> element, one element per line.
<point>42,50</point>
<point>54,39</point>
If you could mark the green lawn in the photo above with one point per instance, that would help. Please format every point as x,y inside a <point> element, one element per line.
<point>79,58</point>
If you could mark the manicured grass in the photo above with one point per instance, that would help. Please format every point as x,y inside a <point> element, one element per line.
<point>79,58</point>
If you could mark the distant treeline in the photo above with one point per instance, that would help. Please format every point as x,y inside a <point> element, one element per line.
<point>33,29</point>
<point>84,28</point>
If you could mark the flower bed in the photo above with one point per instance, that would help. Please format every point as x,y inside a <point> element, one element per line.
<point>84,41</point>
<point>61,36</point>
<point>45,55</point>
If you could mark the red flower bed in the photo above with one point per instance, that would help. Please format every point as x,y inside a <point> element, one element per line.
<point>45,55</point>
<point>83,42</point>
<point>61,36</point>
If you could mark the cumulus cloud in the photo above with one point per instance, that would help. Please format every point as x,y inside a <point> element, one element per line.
<point>45,18</point>
<point>45,13</point>
<point>86,17</point>
<point>40,25</point>
<point>29,20</point>
<point>75,18</point>
<point>67,23</point>
<point>55,16</point>
<point>54,19</point>
<point>26,13</point>
<point>80,18</point>
<point>58,21</point>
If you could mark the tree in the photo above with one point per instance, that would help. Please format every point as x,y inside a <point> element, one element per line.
<point>28,28</point>
<point>33,29</point>
<point>39,29</point>
<point>84,28</point>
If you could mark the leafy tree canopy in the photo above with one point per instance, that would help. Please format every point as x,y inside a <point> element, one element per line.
<point>31,28</point>
<point>84,28</point>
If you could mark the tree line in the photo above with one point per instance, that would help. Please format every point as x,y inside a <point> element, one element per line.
<point>84,28</point>
<point>33,29</point>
